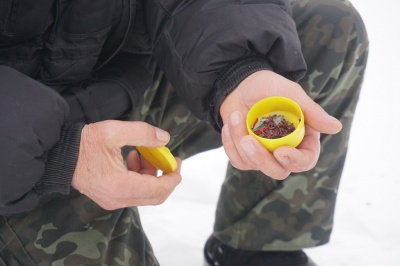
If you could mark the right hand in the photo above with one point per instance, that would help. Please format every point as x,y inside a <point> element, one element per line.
<point>102,175</point>
<point>246,153</point>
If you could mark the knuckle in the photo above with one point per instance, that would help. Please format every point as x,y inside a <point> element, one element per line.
<point>108,206</point>
<point>146,128</point>
<point>238,165</point>
<point>256,162</point>
<point>178,180</point>
<point>101,131</point>
<point>282,176</point>
<point>159,200</point>
<point>162,200</point>
<point>306,165</point>
<point>302,168</point>
<point>161,196</point>
<point>107,132</point>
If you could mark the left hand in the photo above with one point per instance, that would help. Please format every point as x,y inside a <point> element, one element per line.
<point>101,173</point>
<point>246,153</point>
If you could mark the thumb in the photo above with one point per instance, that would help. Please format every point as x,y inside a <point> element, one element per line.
<point>140,134</point>
<point>129,133</point>
<point>318,119</point>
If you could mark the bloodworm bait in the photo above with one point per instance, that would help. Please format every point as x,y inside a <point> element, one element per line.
<point>272,127</point>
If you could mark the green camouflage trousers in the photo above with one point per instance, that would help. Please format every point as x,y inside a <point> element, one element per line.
<point>254,212</point>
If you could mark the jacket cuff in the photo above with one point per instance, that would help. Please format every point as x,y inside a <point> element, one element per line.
<point>228,79</point>
<point>61,161</point>
<point>103,100</point>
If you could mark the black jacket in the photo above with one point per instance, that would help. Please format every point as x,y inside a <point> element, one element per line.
<point>67,63</point>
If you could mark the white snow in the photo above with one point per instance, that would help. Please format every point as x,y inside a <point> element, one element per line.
<point>367,223</point>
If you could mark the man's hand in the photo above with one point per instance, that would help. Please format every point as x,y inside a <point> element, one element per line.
<point>246,153</point>
<point>102,175</point>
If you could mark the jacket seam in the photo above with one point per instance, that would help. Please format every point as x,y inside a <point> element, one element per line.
<point>163,8</point>
<point>177,58</point>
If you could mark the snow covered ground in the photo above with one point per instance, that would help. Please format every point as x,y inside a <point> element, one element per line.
<point>367,223</point>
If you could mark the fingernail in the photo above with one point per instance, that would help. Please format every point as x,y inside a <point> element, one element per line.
<point>234,118</point>
<point>248,147</point>
<point>162,135</point>
<point>284,159</point>
<point>338,122</point>
<point>225,130</point>
<point>335,119</point>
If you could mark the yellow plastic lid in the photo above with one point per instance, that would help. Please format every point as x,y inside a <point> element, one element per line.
<point>159,157</point>
<point>279,105</point>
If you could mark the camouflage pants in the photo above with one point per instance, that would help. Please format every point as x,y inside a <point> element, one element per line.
<point>254,212</point>
<point>298,212</point>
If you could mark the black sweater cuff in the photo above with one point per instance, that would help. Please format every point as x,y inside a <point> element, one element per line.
<point>61,161</point>
<point>229,78</point>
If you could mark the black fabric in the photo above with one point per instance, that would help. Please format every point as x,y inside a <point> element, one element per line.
<point>79,56</point>
<point>31,121</point>
<point>194,40</point>
<point>114,93</point>
<point>8,242</point>
<point>22,20</point>
<point>101,56</point>
<point>61,161</point>
<point>216,253</point>
<point>229,79</point>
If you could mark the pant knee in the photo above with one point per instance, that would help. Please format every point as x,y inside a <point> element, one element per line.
<point>329,22</point>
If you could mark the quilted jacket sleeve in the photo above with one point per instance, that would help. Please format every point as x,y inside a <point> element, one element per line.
<point>207,47</point>
<point>117,90</point>
<point>33,132</point>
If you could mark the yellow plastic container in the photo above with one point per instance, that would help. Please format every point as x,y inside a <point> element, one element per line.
<point>283,106</point>
<point>160,157</point>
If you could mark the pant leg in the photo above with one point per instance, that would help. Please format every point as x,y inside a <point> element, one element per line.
<point>163,108</point>
<point>73,230</point>
<point>255,212</point>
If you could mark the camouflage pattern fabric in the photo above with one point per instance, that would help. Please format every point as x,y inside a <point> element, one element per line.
<point>258,213</point>
<point>254,212</point>
<point>73,230</point>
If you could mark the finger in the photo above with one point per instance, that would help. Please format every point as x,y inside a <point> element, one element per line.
<point>136,189</point>
<point>237,129</point>
<point>251,154</point>
<point>133,161</point>
<point>315,116</point>
<point>230,149</point>
<point>302,158</point>
<point>259,158</point>
<point>147,168</point>
<point>136,133</point>
<point>155,190</point>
